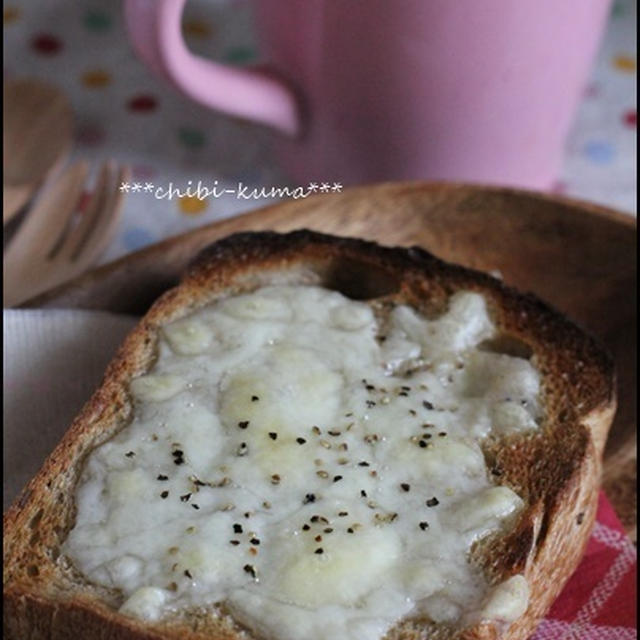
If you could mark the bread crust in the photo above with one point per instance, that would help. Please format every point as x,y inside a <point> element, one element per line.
<point>556,471</point>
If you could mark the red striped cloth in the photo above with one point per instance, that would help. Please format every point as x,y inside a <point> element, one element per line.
<point>599,601</point>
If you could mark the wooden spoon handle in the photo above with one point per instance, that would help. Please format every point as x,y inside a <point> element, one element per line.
<point>14,198</point>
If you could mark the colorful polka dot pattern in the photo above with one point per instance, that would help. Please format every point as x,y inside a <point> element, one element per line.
<point>98,21</point>
<point>191,205</point>
<point>10,14</point>
<point>46,44</point>
<point>96,78</point>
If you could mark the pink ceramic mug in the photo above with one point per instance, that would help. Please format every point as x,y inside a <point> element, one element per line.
<point>474,90</point>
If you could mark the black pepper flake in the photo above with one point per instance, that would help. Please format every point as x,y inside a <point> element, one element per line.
<point>319,551</point>
<point>235,543</point>
<point>243,424</point>
<point>130,454</point>
<point>333,432</point>
<point>310,497</point>
<point>195,506</point>
<point>405,486</point>
<point>250,569</point>
<point>370,403</point>
<point>343,514</point>
<point>406,388</point>
<point>363,493</point>
<point>364,463</point>
<point>337,478</point>
<point>300,440</point>
<point>318,538</point>
<point>404,394</point>
<point>328,530</point>
<point>442,434</point>
<point>178,453</point>
<point>427,405</point>
<point>305,527</point>
<point>580,518</point>
<point>237,528</point>
<point>349,530</point>
<point>254,541</point>
<point>254,398</point>
<point>162,478</point>
<point>164,494</point>
<point>187,573</point>
<point>369,387</point>
<point>424,525</point>
<point>432,502</point>
<point>496,472</point>
<point>273,435</point>
<point>412,412</point>
<point>185,497</point>
<point>422,444</point>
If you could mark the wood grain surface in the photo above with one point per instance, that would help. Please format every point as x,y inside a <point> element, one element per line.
<point>579,257</point>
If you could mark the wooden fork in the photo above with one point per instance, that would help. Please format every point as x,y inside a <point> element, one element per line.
<point>57,241</point>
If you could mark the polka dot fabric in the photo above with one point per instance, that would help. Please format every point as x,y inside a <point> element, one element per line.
<point>600,162</point>
<point>124,112</point>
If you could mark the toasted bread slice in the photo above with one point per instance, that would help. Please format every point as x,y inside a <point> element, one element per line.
<point>556,469</point>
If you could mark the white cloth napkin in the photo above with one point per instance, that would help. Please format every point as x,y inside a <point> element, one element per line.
<point>53,361</point>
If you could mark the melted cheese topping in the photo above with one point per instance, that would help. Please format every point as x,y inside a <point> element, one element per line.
<point>321,480</point>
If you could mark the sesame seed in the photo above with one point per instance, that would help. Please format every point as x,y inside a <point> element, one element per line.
<point>325,444</point>
<point>275,479</point>
<point>322,474</point>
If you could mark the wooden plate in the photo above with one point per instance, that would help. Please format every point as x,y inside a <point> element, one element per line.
<point>577,256</point>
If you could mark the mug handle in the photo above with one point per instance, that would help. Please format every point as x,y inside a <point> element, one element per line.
<point>257,94</point>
